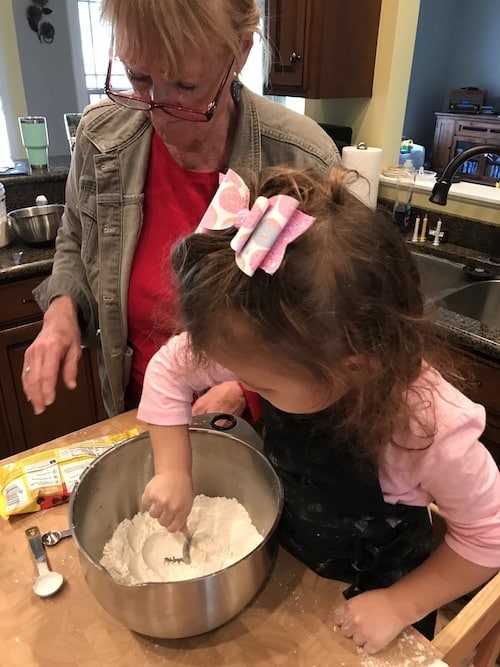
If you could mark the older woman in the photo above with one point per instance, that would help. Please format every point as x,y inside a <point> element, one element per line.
<point>145,166</point>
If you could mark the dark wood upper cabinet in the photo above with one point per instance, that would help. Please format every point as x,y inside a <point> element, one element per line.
<point>322,48</point>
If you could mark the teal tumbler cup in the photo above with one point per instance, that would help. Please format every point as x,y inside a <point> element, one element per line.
<point>35,139</point>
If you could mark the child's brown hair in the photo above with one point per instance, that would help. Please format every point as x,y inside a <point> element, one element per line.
<point>348,286</point>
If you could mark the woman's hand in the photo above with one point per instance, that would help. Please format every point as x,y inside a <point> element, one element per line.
<point>370,619</point>
<point>57,347</point>
<point>226,397</point>
<point>168,497</point>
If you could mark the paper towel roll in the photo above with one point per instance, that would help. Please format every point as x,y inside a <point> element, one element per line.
<point>368,162</point>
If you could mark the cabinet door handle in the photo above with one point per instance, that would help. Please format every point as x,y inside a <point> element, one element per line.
<point>295,58</point>
<point>25,301</point>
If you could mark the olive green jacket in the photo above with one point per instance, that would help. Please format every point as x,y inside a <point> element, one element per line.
<point>103,214</point>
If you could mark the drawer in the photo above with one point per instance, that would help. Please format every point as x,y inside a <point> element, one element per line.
<point>486,382</point>
<point>17,302</point>
<point>478,128</point>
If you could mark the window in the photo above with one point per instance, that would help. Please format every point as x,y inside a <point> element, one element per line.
<point>5,113</point>
<point>5,161</point>
<point>95,45</point>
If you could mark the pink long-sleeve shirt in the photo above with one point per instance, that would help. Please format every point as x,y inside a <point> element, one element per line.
<point>456,471</point>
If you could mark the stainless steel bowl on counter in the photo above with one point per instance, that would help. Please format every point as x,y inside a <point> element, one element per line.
<point>110,490</point>
<point>37,224</point>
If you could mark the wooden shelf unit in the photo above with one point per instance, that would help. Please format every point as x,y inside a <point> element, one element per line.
<point>456,132</point>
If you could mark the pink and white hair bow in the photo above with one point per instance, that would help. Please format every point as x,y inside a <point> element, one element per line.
<point>264,231</point>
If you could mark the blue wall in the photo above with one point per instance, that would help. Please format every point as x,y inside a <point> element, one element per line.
<point>457,44</point>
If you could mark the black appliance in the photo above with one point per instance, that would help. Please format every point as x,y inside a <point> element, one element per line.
<point>467,100</point>
<point>341,134</point>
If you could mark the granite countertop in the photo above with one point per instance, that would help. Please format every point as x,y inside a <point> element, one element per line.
<point>19,260</point>
<point>470,334</point>
<point>34,260</point>
<point>21,173</point>
<point>463,331</point>
<point>22,188</point>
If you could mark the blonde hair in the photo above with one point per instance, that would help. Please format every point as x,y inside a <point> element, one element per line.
<point>162,30</point>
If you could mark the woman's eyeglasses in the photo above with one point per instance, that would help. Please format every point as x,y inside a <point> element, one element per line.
<point>131,101</point>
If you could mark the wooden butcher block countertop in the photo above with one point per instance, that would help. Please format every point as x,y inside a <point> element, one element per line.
<point>289,623</point>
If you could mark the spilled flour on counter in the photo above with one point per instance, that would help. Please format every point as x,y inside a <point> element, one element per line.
<point>405,651</point>
<point>222,531</point>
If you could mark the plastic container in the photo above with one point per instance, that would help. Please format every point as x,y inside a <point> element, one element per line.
<point>416,154</point>
<point>426,176</point>
<point>401,212</point>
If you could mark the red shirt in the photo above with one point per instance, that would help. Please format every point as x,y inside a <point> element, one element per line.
<point>175,200</point>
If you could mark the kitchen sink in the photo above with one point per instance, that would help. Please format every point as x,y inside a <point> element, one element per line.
<point>438,274</point>
<point>447,284</point>
<point>479,301</point>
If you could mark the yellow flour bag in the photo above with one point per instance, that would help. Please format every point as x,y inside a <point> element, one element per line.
<point>45,479</point>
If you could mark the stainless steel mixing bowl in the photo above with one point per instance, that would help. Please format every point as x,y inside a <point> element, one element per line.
<point>37,224</point>
<point>110,491</point>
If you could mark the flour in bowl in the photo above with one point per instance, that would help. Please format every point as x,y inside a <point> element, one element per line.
<point>222,531</point>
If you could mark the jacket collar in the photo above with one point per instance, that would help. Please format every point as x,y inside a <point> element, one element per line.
<point>112,127</point>
<point>247,148</point>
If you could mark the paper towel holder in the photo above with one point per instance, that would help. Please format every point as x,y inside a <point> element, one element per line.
<point>362,146</point>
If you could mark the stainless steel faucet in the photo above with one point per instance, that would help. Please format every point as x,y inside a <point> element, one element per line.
<point>440,190</point>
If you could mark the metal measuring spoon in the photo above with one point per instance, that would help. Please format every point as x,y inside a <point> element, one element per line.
<point>186,551</point>
<point>52,537</point>
<point>48,582</point>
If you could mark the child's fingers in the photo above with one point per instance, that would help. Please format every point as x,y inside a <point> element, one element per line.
<point>155,511</point>
<point>342,618</point>
<point>359,639</point>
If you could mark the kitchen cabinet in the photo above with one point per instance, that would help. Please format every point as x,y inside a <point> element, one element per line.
<point>483,388</point>
<point>20,428</point>
<point>322,48</point>
<point>455,133</point>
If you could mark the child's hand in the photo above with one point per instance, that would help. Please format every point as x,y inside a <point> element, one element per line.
<point>370,619</point>
<point>168,497</point>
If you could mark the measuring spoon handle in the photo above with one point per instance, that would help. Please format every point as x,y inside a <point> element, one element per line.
<point>36,544</point>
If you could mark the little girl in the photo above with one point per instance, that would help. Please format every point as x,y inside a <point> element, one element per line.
<point>312,301</point>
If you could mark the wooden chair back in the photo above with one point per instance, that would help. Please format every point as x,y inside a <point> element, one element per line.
<point>476,628</point>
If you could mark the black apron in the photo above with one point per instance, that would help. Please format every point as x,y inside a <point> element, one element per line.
<point>335,519</point>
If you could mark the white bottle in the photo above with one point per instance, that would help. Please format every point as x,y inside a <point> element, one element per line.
<point>437,233</point>
<point>5,236</point>
<point>41,200</point>
<point>415,230</point>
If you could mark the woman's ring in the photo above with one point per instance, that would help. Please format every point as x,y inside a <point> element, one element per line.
<point>27,370</point>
